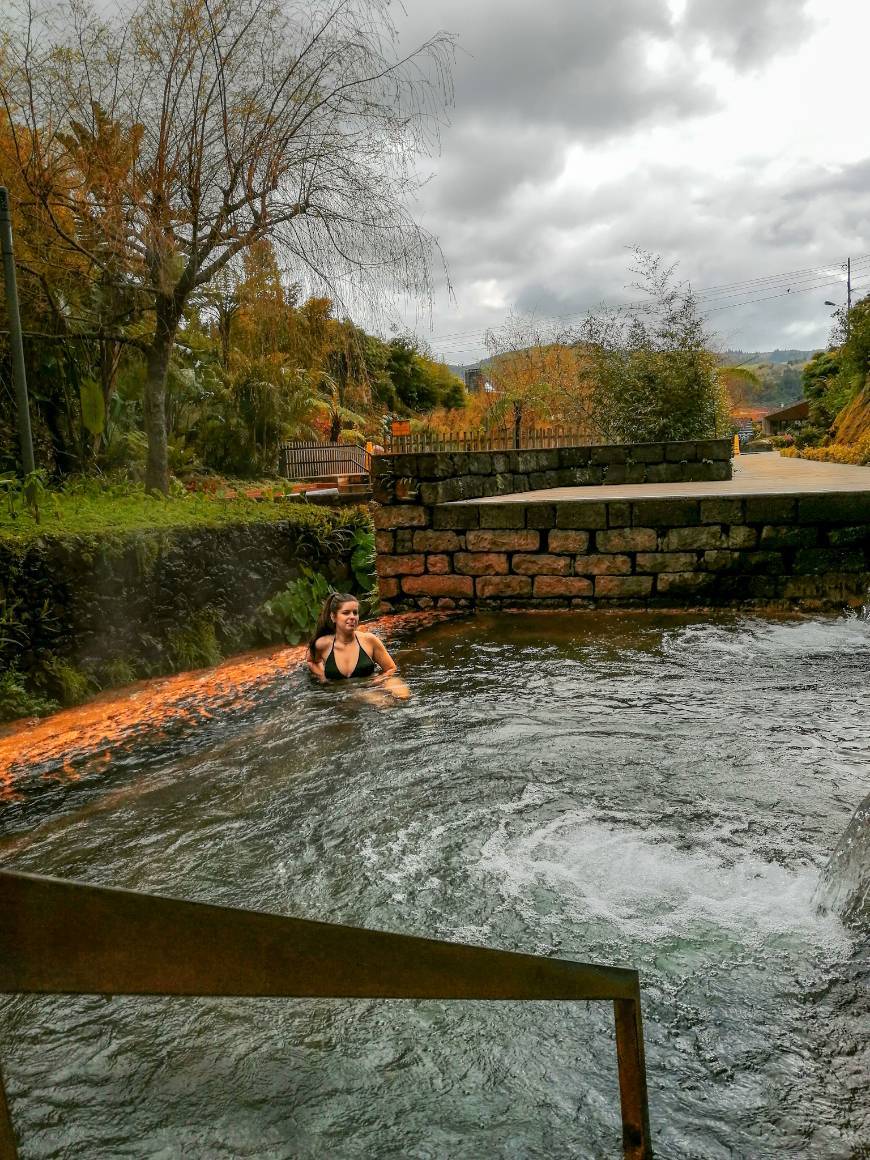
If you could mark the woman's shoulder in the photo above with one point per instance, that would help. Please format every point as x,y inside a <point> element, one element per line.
<point>323,642</point>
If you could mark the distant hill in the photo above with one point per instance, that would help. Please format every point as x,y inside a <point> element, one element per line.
<point>460,370</point>
<point>727,358</point>
<point>742,358</point>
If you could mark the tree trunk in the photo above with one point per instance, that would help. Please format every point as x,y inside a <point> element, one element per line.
<point>518,424</point>
<point>157,369</point>
<point>225,314</point>
<point>65,461</point>
<point>110,360</point>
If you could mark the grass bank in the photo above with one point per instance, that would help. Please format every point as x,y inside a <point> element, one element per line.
<point>93,509</point>
<point>110,585</point>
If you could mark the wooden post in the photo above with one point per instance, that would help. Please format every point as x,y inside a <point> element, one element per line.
<point>636,1143</point>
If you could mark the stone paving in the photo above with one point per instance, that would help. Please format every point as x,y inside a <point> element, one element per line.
<point>765,473</point>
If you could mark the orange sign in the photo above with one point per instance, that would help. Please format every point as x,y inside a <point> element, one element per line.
<point>400,427</point>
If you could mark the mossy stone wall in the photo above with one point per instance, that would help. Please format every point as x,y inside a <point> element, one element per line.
<point>444,477</point>
<point>102,609</point>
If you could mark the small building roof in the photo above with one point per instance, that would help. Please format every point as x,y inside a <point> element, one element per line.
<point>798,410</point>
<point>738,413</point>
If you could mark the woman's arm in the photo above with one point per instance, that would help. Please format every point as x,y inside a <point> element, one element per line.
<point>387,678</point>
<point>380,656</point>
<point>316,668</point>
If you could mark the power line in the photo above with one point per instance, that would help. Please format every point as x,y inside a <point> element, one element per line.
<point>807,271</point>
<point>814,271</point>
<point>772,283</point>
<point>780,294</point>
<point>722,290</point>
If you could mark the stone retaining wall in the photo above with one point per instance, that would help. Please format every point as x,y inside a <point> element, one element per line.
<point>811,551</point>
<point>442,477</point>
<point>117,605</point>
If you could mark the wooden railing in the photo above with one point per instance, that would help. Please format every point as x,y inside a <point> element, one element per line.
<point>59,937</point>
<point>307,461</point>
<point>532,438</point>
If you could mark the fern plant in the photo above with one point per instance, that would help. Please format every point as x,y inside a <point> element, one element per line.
<point>362,559</point>
<point>26,494</point>
<point>293,612</point>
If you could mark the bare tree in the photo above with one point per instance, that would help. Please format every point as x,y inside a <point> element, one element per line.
<point>235,120</point>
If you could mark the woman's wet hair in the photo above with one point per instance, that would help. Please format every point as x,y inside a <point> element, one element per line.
<point>326,620</point>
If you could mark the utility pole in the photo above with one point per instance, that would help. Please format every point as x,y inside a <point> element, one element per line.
<point>25,438</point>
<point>848,293</point>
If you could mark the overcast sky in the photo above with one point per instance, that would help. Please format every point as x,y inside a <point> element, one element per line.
<point>730,136</point>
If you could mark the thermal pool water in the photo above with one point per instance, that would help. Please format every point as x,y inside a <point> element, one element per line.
<point>659,792</point>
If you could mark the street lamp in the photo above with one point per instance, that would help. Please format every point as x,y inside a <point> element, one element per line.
<point>837,306</point>
<point>848,295</point>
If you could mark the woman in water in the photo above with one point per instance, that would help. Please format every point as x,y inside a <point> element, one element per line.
<point>338,651</point>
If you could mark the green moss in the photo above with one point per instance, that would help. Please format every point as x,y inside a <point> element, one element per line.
<point>195,644</point>
<point>83,569</point>
<point>147,549</point>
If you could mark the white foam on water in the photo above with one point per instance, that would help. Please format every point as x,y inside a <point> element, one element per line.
<point>650,890</point>
<point>847,634</point>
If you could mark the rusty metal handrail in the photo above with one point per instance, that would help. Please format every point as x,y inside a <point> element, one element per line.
<point>60,937</point>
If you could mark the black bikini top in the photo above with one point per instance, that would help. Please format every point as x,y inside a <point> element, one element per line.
<point>364,666</point>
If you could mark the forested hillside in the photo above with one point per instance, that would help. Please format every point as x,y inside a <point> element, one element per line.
<point>837,384</point>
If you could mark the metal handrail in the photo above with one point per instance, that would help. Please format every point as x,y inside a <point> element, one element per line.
<point>60,937</point>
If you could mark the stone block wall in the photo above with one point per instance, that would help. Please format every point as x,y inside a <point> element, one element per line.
<point>443,477</point>
<point>810,551</point>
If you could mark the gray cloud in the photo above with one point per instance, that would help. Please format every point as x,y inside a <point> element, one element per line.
<point>578,66</point>
<point>486,165</point>
<point>747,33</point>
<point>532,79</point>
<point>537,85</point>
<point>574,252</point>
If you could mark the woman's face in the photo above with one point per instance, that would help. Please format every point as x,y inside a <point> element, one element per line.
<point>347,616</point>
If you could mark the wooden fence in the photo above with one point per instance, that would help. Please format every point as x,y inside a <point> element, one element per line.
<point>497,440</point>
<point>322,460</point>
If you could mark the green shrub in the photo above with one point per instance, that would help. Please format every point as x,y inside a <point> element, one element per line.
<point>17,701</point>
<point>293,613</point>
<point>809,436</point>
<point>362,559</point>
<point>72,684</point>
<point>653,376</point>
<point>28,494</point>
<point>116,673</point>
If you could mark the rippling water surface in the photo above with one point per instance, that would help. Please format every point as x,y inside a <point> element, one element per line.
<point>658,792</point>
